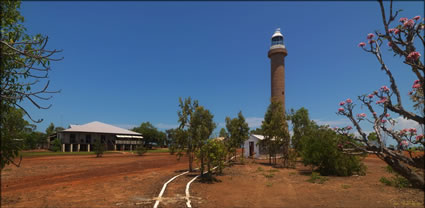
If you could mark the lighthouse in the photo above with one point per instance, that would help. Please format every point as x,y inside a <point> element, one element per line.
<point>277,55</point>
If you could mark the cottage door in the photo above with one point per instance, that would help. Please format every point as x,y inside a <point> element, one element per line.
<point>251,149</point>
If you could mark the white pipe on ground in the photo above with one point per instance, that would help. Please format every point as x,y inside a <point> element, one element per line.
<point>164,187</point>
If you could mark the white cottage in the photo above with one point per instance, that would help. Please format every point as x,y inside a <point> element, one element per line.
<point>252,148</point>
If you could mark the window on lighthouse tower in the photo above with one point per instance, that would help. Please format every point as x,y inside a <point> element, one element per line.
<point>278,40</point>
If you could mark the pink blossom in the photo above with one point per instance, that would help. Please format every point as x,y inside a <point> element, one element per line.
<point>403,19</point>
<point>374,113</point>
<point>410,92</point>
<point>413,56</point>
<point>349,127</point>
<point>416,81</point>
<point>412,130</point>
<point>383,120</point>
<point>361,115</point>
<point>371,41</point>
<point>404,142</point>
<point>387,115</point>
<point>370,36</point>
<point>342,103</point>
<point>403,131</point>
<point>390,44</point>
<point>391,30</point>
<point>348,100</point>
<point>382,100</point>
<point>417,18</point>
<point>409,23</point>
<point>370,96</point>
<point>416,86</point>
<point>419,137</point>
<point>385,89</point>
<point>362,44</point>
<point>341,109</point>
<point>396,31</point>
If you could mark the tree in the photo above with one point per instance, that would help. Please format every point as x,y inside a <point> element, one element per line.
<point>184,140</point>
<point>301,124</point>
<point>401,41</point>
<point>257,131</point>
<point>25,62</point>
<point>215,153</point>
<point>223,133</point>
<point>275,130</point>
<point>321,148</point>
<point>238,132</point>
<point>201,128</point>
<point>12,134</point>
<point>149,132</point>
<point>99,147</point>
<point>56,145</point>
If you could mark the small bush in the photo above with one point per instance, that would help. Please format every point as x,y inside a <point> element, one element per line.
<point>397,180</point>
<point>259,169</point>
<point>345,186</point>
<point>99,148</point>
<point>141,150</point>
<point>320,149</point>
<point>56,145</point>
<point>317,178</point>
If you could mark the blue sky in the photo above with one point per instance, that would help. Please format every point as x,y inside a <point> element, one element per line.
<point>129,62</point>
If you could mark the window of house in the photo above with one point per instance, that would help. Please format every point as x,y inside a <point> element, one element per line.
<point>72,138</point>
<point>88,138</point>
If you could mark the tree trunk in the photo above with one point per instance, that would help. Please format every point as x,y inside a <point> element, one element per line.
<point>415,179</point>
<point>190,162</point>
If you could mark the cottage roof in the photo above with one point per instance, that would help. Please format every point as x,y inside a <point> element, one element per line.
<point>258,136</point>
<point>99,127</point>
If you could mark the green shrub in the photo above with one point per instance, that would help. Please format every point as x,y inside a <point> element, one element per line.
<point>141,150</point>
<point>320,149</point>
<point>317,178</point>
<point>56,145</point>
<point>99,148</point>
<point>396,180</point>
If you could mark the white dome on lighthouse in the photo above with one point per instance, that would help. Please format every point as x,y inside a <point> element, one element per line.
<point>277,33</point>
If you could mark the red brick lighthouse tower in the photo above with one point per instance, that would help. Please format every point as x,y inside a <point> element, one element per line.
<point>277,55</point>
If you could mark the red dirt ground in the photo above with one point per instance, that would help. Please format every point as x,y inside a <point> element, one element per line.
<point>246,186</point>
<point>133,181</point>
<point>85,181</point>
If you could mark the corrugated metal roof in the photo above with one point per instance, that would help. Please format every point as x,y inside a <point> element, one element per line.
<point>99,127</point>
<point>260,137</point>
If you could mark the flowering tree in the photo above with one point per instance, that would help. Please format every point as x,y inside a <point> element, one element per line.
<point>401,39</point>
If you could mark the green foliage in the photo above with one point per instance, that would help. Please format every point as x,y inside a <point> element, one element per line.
<point>345,186</point>
<point>238,132</point>
<point>223,133</point>
<point>99,148</point>
<point>34,140</point>
<point>56,145</point>
<point>141,150</point>
<point>215,155</point>
<point>24,62</point>
<point>150,134</point>
<point>257,131</point>
<point>317,178</point>
<point>275,131</point>
<point>320,149</point>
<point>13,132</point>
<point>397,180</point>
<point>196,126</point>
<point>301,125</point>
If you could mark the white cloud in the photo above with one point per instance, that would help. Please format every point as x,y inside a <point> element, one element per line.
<point>254,122</point>
<point>333,123</point>
<point>166,126</point>
<point>402,123</point>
